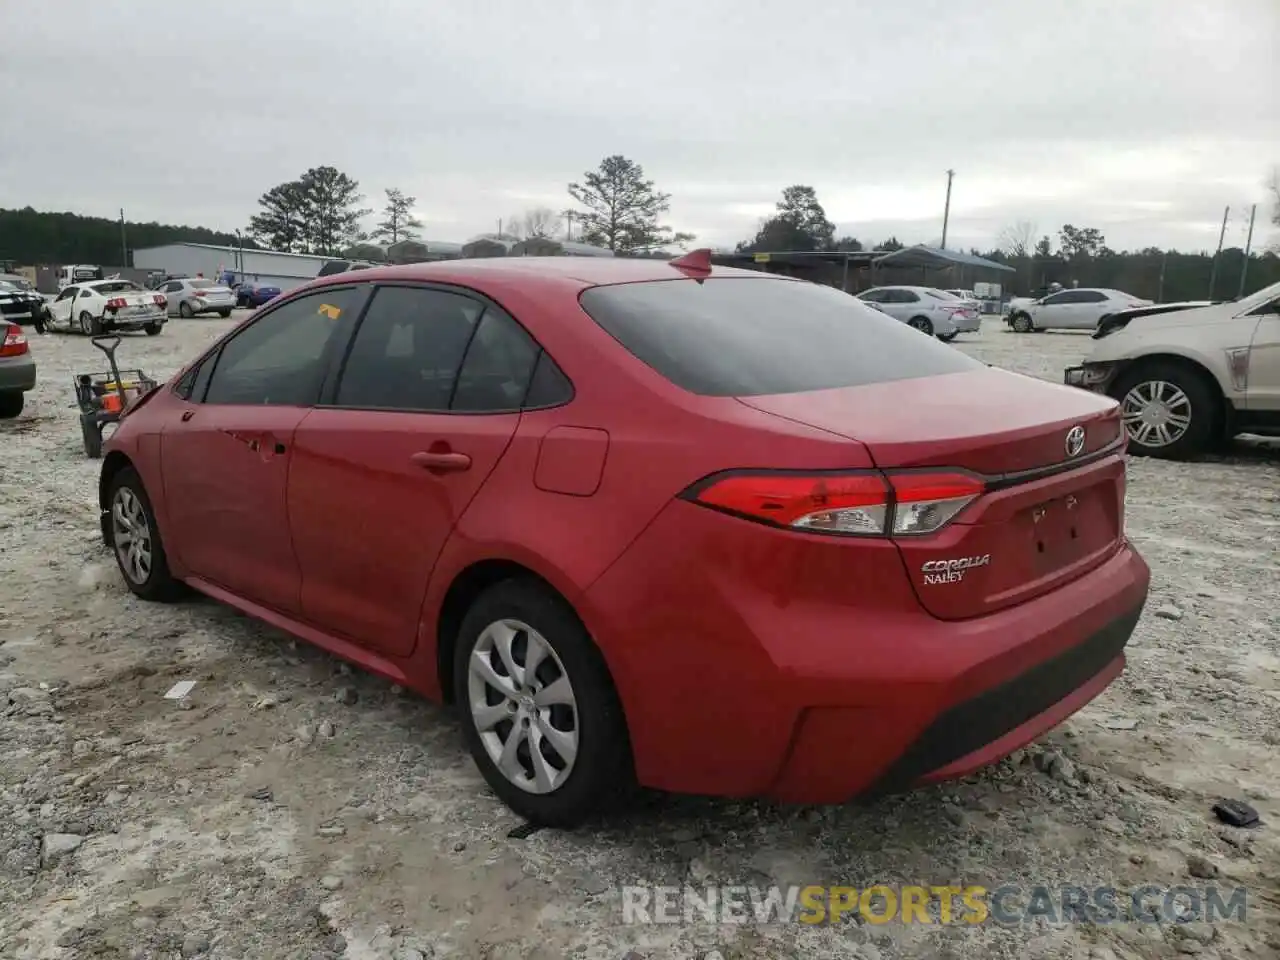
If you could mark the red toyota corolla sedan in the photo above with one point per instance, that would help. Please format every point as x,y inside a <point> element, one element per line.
<point>702,529</point>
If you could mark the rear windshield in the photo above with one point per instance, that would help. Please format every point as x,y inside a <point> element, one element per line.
<point>742,337</point>
<point>942,294</point>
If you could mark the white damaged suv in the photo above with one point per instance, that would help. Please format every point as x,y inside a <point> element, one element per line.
<point>1189,380</point>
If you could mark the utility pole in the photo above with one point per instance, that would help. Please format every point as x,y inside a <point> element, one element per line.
<point>124,243</point>
<point>1248,245</point>
<point>1213,274</point>
<point>1164,261</point>
<point>946,210</point>
<point>568,225</point>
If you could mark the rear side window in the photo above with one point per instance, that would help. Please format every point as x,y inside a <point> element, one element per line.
<point>499,363</point>
<point>406,354</point>
<point>750,337</point>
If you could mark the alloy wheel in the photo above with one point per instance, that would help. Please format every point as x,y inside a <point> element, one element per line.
<point>131,535</point>
<point>1156,413</point>
<point>523,706</point>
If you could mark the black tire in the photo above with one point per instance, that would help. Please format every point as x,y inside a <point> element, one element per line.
<point>923,324</point>
<point>224,314</point>
<point>1203,400</point>
<point>948,337</point>
<point>92,438</point>
<point>153,328</point>
<point>158,584</point>
<point>1021,323</point>
<point>38,322</point>
<point>11,403</point>
<point>90,325</point>
<point>602,774</point>
<point>185,311</point>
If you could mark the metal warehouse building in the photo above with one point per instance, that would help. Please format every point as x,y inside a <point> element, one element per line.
<point>284,270</point>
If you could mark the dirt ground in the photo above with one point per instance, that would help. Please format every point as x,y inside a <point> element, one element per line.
<point>290,808</point>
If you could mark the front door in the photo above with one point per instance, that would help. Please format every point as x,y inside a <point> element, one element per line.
<point>1263,394</point>
<point>226,453</point>
<point>426,404</point>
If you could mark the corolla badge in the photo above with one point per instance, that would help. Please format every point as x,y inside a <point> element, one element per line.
<point>952,571</point>
<point>1075,441</point>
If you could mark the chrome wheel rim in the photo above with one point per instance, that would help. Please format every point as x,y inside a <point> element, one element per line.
<point>1156,413</point>
<point>86,324</point>
<point>131,535</point>
<point>922,325</point>
<point>523,706</point>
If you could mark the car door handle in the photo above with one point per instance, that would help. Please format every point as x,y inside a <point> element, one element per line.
<point>441,462</point>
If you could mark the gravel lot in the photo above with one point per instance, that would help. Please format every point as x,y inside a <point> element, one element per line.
<point>290,808</point>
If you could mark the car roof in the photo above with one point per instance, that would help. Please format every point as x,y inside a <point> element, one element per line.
<point>573,273</point>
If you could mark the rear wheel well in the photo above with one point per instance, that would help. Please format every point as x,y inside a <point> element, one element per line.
<point>462,593</point>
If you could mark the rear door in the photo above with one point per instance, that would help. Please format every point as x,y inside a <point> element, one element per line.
<point>226,449</point>
<point>422,410</point>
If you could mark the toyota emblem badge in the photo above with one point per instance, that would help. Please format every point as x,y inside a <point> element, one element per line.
<point>1075,441</point>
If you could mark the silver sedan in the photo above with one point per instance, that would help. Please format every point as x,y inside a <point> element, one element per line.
<point>193,296</point>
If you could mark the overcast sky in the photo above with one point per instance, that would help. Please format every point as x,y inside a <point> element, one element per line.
<point>1143,119</point>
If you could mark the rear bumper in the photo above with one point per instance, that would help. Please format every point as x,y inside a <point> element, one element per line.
<point>132,323</point>
<point>968,324</point>
<point>743,671</point>
<point>17,374</point>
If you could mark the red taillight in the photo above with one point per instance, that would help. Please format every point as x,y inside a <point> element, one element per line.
<point>159,300</point>
<point>117,303</point>
<point>858,504</point>
<point>15,342</point>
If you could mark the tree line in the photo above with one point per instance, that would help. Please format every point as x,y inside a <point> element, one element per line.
<point>30,236</point>
<point>616,206</point>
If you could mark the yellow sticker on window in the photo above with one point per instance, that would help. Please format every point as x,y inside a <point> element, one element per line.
<point>330,311</point>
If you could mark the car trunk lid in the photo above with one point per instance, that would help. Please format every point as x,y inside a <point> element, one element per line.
<point>1049,513</point>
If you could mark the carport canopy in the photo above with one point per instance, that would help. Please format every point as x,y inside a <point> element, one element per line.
<point>936,258</point>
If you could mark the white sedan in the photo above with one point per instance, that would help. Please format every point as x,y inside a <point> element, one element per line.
<point>192,296</point>
<point>106,306</point>
<point>1079,308</point>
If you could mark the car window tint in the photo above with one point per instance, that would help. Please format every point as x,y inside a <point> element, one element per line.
<point>1056,299</point>
<point>872,296</point>
<point>908,296</point>
<point>499,363</point>
<point>748,336</point>
<point>406,354</point>
<point>1092,296</point>
<point>549,386</point>
<point>68,293</point>
<point>279,358</point>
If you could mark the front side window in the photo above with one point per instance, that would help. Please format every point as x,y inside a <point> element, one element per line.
<point>68,293</point>
<point>280,358</point>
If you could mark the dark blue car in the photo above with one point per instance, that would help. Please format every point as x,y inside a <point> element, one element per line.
<point>251,294</point>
